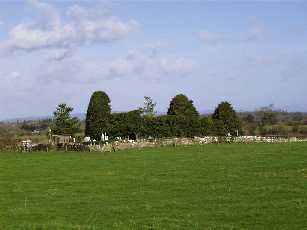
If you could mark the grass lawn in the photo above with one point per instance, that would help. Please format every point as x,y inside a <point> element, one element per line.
<point>235,186</point>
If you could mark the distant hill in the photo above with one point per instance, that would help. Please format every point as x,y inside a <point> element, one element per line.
<point>80,116</point>
<point>33,118</point>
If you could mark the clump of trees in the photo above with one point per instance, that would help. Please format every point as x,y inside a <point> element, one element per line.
<point>267,121</point>
<point>182,120</point>
<point>33,125</point>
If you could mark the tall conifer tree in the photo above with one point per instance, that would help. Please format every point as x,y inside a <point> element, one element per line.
<point>98,115</point>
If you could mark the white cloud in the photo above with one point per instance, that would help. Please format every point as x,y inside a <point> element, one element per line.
<point>48,15</point>
<point>136,64</point>
<point>57,54</point>
<point>178,66</point>
<point>9,76</point>
<point>14,75</point>
<point>49,32</point>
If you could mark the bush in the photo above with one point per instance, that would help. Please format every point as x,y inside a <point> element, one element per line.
<point>8,144</point>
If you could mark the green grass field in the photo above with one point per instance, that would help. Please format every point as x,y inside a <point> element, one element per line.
<point>235,186</point>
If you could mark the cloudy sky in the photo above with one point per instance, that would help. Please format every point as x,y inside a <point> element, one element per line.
<point>251,54</point>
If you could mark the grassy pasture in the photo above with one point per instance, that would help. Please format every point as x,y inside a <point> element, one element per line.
<point>236,186</point>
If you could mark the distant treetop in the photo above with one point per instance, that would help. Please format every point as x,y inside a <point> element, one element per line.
<point>180,105</point>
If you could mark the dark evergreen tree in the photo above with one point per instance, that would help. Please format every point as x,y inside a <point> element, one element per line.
<point>180,105</point>
<point>98,115</point>
<point>226,120</point>
<point>63,123</point>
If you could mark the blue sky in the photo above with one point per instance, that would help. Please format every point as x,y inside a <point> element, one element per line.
<point>251,54</point>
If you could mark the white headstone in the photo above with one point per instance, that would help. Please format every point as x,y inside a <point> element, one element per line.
<point>87,139</point>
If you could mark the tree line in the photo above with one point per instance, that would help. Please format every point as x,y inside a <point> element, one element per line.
<point>182,120</point>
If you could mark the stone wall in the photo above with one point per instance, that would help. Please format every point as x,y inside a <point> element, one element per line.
<point>126,144</point>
